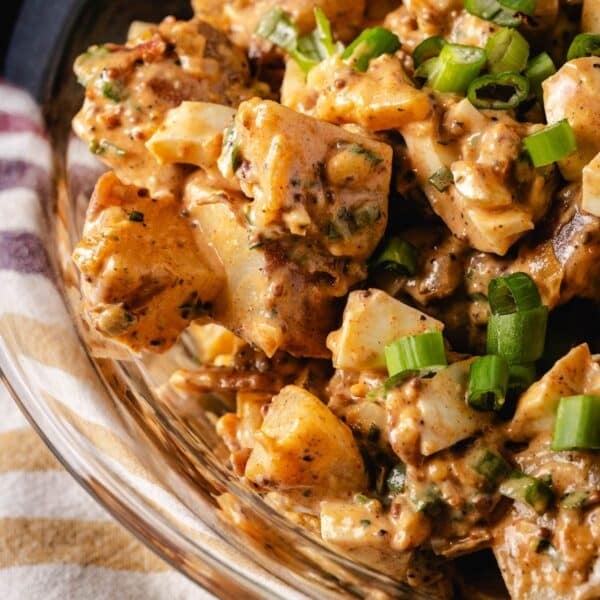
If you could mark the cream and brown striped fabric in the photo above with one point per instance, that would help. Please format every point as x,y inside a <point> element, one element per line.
<point>55,541</point>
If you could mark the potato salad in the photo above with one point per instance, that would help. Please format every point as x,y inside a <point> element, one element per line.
<point>376,227</point>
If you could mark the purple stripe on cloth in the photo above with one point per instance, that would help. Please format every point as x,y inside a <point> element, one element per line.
<point>20,173</point>
<point>23,252</point>
<point>11,123</point>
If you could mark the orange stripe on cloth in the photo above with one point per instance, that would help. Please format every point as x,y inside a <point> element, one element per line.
<point>98,543</point>
<point>23,450</point>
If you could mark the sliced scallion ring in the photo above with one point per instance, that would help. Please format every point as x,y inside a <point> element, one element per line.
<point>370,44</point>
<point>498,92</point>
<point>397,255</point>
<point>584,44</point>
<point>577,424</point>
<point>491,466</point>
<point>488,383</point>
<point>429,48</point>
<point>538,70</point>
<point>519,337</point>
<point>520,377</point>
<point>512,293</point>
<point>507,13</point>
<point>551,144</point>
<point>507,50</point>
<point>530,490</point>
<point>415,352</point>
<point>456,67</point>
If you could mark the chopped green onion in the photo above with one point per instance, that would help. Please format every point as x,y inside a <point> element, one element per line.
<point>507,13</point>
<point>442,179</point>
<point>370,44</point>
<point>513,293</point>
<point>507,50</point>
<point>551,144</point>
<point>456,67</point>
<point>396,480</point>
<point>430,48</point>
<point>488,383</point>
<point>398,255</point>
<point>538,70</point>
<point>520,377</point>
<point>415,352</point>
<point>584,44</point>
<point>113,90</point>
<point>518,337</point>
<point>426,70</point>
<point>577,423</point>
<point>277,27</point>
<point>575,500</point>
<point>428,501</point>
<point>323,32</point>
<point>530,490</point>
<point>498,92</point>
<point>490,466</point>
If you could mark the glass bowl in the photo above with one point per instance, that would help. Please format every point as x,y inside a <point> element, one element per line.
<point>159,471</point>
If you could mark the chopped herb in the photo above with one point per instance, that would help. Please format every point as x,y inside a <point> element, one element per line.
<point>136,216</point>
<point>575,500</point>
<point>113,90</point>
<point>365,522</point>
<point>442,179</point>
<point>373,158</point>
<point>428,501</point>
<point>361,499</point>
<point>492,467</point>
<point>100,147</point>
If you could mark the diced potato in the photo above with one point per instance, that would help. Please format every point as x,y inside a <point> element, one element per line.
<point>145,276</point>
<point>309,178</point>
<point>372,320</point>
<point>191,133</point>
<point>590,16</point>
<point>140,31</point>
<point>294,316</point>
<point>590,191</point>
<point>572,94</point>
<point>381,98</point>
<point>215,345</point>
<point>353,524</point>
<point>575,373</point>
<point>302,444</point>
<point>249,413</point>
<point>437,417</point>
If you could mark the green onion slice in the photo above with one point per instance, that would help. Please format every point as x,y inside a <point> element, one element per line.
<point>398,255</point>
<point>323,32</point>
<point>551,144</point>
<point>488,383</point>
<point>507,50</point>
<point>277,27</point>
<point>370,44</point>
<point>415,352</point>
<point>442,179</point>
<point>531,490</point>
<point>428,501</point>
<point>584,44</point>
<point>396,480</point>
<point>456,67</point>
<point>498,92</point>
<point>575,500</point>
<point>512,293</point>
<point>538,70</point>
<point>518,337</point>
<point>429,48</point>
<point>577,424</point>
<point>520,377</point>
<point>507,13</point>
<point>491,466</point>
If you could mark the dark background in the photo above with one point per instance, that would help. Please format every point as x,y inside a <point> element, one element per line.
<point>8,14</point>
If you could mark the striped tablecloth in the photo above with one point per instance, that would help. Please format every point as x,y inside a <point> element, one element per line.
<point>55,541</point>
